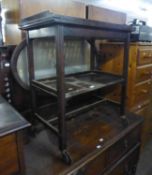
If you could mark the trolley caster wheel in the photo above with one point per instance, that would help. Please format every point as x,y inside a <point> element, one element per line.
<point>66,157</point>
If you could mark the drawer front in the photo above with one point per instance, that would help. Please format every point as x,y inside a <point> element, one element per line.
<point>143,74</point>
<point>122,146</point>
<point>142,93</point>
<point>95,167</point>
<point>144,56</point>
<point>127,166</point>
<point>8,155</point>
<point>100,166</point>
<point>124,166</point>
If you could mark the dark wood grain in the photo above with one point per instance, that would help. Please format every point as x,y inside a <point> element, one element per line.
<point>118,139</point>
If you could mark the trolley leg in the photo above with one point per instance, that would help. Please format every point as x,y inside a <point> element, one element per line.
<point>61,93</point>
<point>125,75</point>
<point>31,77</point>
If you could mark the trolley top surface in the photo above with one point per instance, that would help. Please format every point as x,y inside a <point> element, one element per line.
<point>47,18</point>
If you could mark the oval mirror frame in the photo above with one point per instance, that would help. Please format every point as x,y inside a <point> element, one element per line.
<point>14,60</point>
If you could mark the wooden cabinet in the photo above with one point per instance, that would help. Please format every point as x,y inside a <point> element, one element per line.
<point>139,78</point>
<point>139,82</point>
<point>127,165</point>
<point>141,93</point>
<point>9,160</point>
<point>11,145</point>
<point>118,154</point>
<point>143,73</point>
<point>144,54</point>
<point>139,86</point>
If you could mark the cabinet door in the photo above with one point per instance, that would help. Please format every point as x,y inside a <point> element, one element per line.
<point>95,167</point>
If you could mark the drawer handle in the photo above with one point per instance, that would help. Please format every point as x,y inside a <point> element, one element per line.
<point>144,91</point>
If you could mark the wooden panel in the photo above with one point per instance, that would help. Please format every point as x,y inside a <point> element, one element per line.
<point>143,73</point>
<point>121,147</point>
<point>142,92</point>
<point>111,58</point>
<point>127,165</point>
<point>64,7</point>
<point>106,15</point>
<point>8,155</point>
<point>144,55</point>
<point>95,167</point>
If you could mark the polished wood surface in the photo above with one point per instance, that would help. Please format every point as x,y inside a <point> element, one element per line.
<point>146,113</point>
<point>101,147</point>
<point>144,55</point>
<point>105,15</point>
<point>63,7</point>
<point>8,155</point>
<point>143,73</point>
<point>142,92</point>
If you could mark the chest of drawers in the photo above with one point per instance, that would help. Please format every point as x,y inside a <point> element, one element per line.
<point>117,155</point>
<point>139,78</point>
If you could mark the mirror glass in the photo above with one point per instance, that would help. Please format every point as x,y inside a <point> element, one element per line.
<point>76,59</point>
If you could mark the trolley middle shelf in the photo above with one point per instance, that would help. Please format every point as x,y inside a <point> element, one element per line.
<point>79,83</point>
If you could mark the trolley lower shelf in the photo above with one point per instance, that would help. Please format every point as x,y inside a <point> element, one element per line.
<point>91,130</point>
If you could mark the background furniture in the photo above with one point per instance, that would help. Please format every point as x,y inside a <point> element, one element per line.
<point>139,78</point>
<point>11,146</point>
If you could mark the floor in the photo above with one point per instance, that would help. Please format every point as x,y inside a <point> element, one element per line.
<point>37,156</point>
